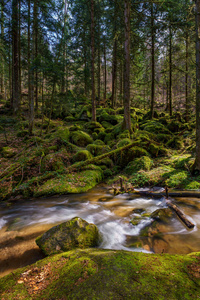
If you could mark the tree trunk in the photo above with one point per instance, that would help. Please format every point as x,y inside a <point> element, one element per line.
<point>170,69</point>
<point>30,75</point>
<point>114,73</point>
<point>93,60</point>
<point>186,80</point>
<point>127,117</point>
<point>105,70</point>
<point>2,59</point>
<point>15,45</point>
<point>197,19</point>
<point>20,73</point>
<point>35,34</point>
<point>99,62</point>
<point>152,62</point>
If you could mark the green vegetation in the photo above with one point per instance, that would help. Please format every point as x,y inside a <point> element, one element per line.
<point>103,274</point>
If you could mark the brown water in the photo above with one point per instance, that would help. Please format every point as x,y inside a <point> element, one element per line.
<point>23,222</point>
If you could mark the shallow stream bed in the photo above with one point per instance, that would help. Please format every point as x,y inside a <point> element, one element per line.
<point>21,223</point>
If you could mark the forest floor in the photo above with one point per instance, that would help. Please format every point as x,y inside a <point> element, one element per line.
<point>73,154</point>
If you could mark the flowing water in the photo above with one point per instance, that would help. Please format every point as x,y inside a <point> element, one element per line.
<point>21,223</point>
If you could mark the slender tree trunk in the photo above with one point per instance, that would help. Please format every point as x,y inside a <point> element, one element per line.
<point>114,60</point>
<point>114,73</point>
<point>93,60</point>
<point>121,84</point>
<point>170,69</point>
<point>15,44</point>
<point>197,19</point>
<point>186,80</point>
<point>2,59</point>
<point>20,73</point>
<point>30,75</point>
<point>127,117</point>
<point>105,70</point>
<point>10,66</point>
<point>152,62</point>
<point>35,34</point>
<point>99,62</point>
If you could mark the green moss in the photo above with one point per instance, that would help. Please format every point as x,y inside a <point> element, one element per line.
<point>91,126</point>
<point>124,142</point>
<point>155,127</point>
<point>157,150</point>
<point>177,179</point>
<point>82,155</point>
<point>70,183</point>
<point>99,142</point>
<point>139,179</point>
<point>193,185</point>
<point>75,233</point>
<point>97,149</point>
<point>106,124</point>
<point>22,133</point>
<point>176,142</point>
<point>8,152</point>
<point>124,134</point>
<point>62,133</point>
<point>52,162</point>
<point>80,138</point>
<point>141,163</point>
<point>106,274</point>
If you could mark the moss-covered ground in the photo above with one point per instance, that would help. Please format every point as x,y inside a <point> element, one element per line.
<point>106,274</point>
<point>58,160</point>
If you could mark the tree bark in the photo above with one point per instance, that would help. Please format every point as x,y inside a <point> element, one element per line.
<point>186,79</point>
<point>105,70</point>
<point>93,60</point>
<point>197,21</point>
<point>35,34</point>
<point>15,45</point>
<point>170,69</point>
<point>30,75</point>
<point>127,117</point>
<point>152,62</point>
<point>2,59</point>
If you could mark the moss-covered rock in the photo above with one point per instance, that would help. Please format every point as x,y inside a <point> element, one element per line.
<point>80,138</point>
<point>70,183</point>
<point>8,152</point>
<point>52,162</point>
<point>124,142</point>
<point>105,274</point>
<point>62,133</point>
<point>99,142</point>
<point>75,233</point>
<point>177,179</point>
<point>92,125</point>
<point>162,215</point>
<point>157,150</point>
<point>97,149</point>
<point>141,163</point>
<point>112,119</point>
<point>82,155</point>
<point>176,143</point>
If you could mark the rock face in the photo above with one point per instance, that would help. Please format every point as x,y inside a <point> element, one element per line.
<point>75,233</point>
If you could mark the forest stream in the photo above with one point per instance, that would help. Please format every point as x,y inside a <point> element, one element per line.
<point>21,223</point>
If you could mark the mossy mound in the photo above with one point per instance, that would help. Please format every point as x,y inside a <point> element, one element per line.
<point>124,142</point>
<point>80,138</point>
<point>70,183</point>
<point>75,233</point>
<point>127,156</point>
<point>52,162</point>
<point>162,215</point>
<point>8,152</point>
<point>112,119</point>
<point>91,126</point>
<point>155,127</point>
<point>97,149</point>
<point>105,274</point>
<point>62,133</point>
<point>177,179</point>
<point>82,155</point>
<point>141,163</point>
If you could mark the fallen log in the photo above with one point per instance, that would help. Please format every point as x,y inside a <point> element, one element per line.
<point>179,213</point>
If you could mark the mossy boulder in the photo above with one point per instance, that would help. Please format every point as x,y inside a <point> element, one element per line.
<point>97,149</point>
<point>176,143</point>
<point>8,152</point>
<point>52,162</point>
<point>124,142</point>
<point>62,133</point>
<point>112,119</point>
<point>92,125</point>
<point>140,163</point>
<point>99,142</point>
<point>82,155</point>
<point>178,179</point>
<point>75,233</point>
<point>80,138</point>
<point>163,215</point>
<point>157,150</point>
<point>70,183</point>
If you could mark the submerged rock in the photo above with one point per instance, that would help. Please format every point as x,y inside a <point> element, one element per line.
<point>75,233</point>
